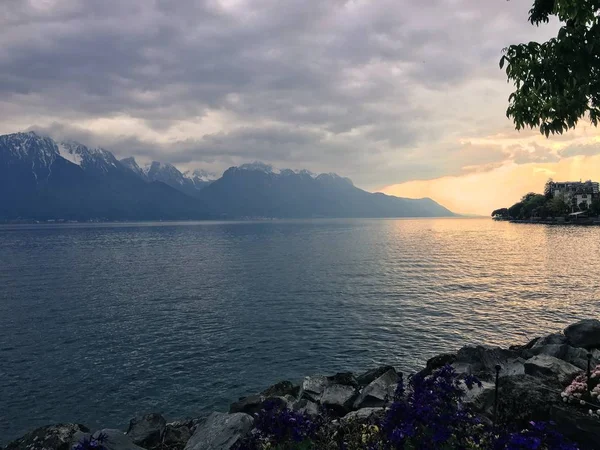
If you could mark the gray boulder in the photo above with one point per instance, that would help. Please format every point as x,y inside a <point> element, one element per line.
<point>438,362</point>
<point>305,406</point>
<point>338,398</point>
<point>378,392</point>
<point>249,405</point>
<point>281,389</point>
<point>56,437</point>
<point>572,355</point>
<point>585,333</point>
<point>116,440</point>
<point>345,378</point>
<point>544,365</point>
<point>371,375</point>
<point>177,434</point>
<point>312,387</point>
<point>147,430</point>
<point>481,361</point>
<point>551,339</point>
<point>220,431</point>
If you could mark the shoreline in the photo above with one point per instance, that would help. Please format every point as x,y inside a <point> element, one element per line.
<point>528,374</point>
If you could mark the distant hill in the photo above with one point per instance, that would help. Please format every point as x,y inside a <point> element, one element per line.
<point>42,179</point>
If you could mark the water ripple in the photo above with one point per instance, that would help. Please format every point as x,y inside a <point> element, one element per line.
<point>102,322</point>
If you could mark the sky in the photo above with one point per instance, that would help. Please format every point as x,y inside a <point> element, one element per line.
<point>402,96</point>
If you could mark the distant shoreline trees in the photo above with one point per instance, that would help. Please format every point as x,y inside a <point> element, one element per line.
<point>544,206</point>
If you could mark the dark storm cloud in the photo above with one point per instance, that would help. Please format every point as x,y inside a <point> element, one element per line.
<point>355,86</point>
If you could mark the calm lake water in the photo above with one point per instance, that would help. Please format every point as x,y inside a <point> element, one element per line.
<point>101,322</point>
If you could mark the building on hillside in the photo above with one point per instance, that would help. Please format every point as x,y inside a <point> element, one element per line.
<point>576,192</point>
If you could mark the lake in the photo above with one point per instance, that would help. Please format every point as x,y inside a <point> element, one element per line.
<point>100,322</point>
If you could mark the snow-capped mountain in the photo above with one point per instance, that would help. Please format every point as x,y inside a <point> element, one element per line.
<point>200,178</point>
<point>190,182</point>
<point>40,178</point>
<point>89,159</point>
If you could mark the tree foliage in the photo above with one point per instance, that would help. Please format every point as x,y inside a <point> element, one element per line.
<point>557,82</point>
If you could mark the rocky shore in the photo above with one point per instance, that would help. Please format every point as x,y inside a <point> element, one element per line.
<point>531,380</point>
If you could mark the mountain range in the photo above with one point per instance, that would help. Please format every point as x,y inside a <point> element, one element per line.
<point>41,179</point>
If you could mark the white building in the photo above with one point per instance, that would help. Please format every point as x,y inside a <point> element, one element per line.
<point>576,192</point>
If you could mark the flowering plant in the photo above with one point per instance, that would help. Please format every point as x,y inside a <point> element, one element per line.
<point>428,414</point>
<point>585,392</point>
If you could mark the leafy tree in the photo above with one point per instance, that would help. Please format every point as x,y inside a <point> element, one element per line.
<point>527,197</point>
<point>558,206</point>
<point>583,206</point>
<point>515,210</point>
<point>502,212</point>
<point>557,82</point>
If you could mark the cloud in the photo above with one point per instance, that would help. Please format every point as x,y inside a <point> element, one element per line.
<point>382,92</point>
<point>532,153</point>
<point>581,150</point>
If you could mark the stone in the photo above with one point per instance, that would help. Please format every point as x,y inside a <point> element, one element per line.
<point>116,440</point>
<point>305,406</point>
<point>572,355</point>
<point>338,398</point>
<point>148,430</point>
<point>363,414</point>
<point>585,333</point>
<point>281,389</point>
<point>545,365</point>
<point>551,339</point>
<point>220,431</point>
<point>378,392</point>
<point>177,435</point>
<point>312,387</point>
<point>437,362</point>
<point>371,375</point>
<point>345,378</point>
<point>481,362</point>
<point>249,405</point>
<point>56,437</point>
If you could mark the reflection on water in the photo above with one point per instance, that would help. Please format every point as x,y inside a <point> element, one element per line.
<point>100,322</point>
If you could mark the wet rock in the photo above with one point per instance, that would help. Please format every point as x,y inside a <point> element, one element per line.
<point>545,365</point>
<point>481,361</point>
<point>345,378</point>
<point>56,437</point>
<point>585,333</point>
<point>220,431</point>
<point>378,392</point>
<point>147,430</point>
<point>249,405</point>
<point>116,440</point>
<point>338,398</point>
<point>281,389</point>
<point>371,375</point>
<point>312,387</point>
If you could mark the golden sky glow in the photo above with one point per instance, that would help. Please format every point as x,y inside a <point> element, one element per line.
<point>483,188</point>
